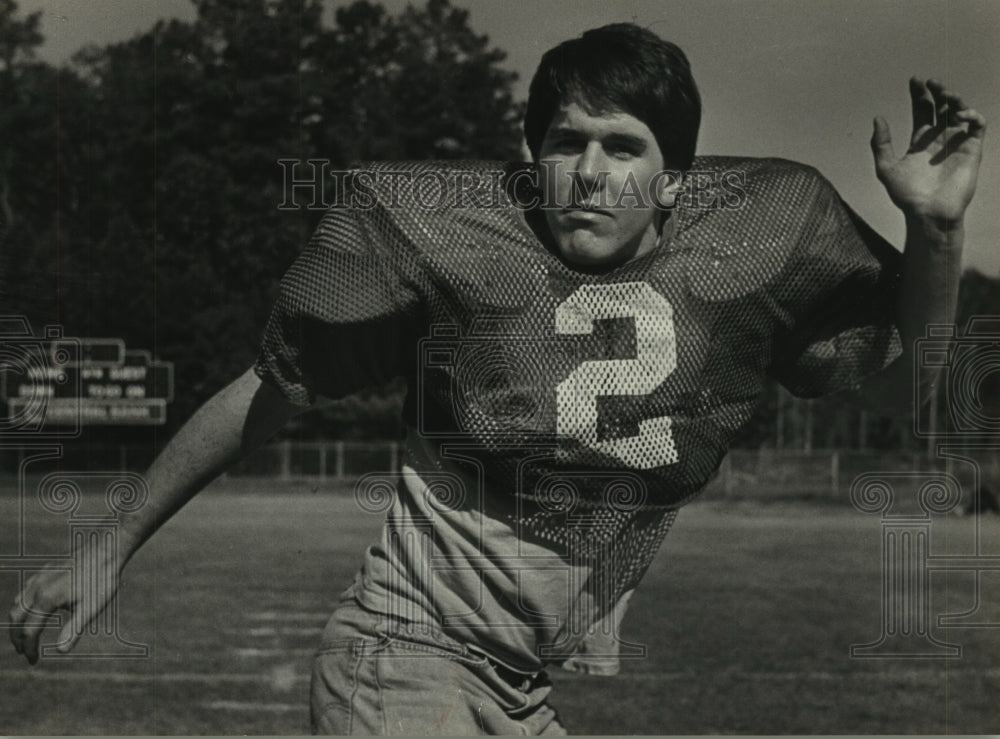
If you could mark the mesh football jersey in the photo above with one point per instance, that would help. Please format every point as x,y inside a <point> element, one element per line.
<point>553,411</point>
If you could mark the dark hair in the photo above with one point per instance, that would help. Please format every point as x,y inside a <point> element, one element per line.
<point>620,67</point>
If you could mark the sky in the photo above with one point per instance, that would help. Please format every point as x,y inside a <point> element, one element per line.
<point>800,79</point>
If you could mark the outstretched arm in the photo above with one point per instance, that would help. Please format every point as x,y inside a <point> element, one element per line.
<point>932,184</point>
<point>234,422</point>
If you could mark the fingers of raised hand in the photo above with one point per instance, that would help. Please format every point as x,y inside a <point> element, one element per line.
<point>923,106</point>
<point>975,119</point>
<point>942,99</point>
<point>935,109</point>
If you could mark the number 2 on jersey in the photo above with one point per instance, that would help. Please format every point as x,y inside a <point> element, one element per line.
<point>655,360</point>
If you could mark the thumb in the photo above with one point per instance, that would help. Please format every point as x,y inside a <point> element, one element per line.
<point>882,144</point>
<point>71,631</point>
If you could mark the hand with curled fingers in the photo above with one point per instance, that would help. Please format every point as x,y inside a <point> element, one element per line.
<point>83,590</point>
<point>936,178</point>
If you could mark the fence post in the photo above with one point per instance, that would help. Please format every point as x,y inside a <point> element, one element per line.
<point>322,460</point>
<point>834,474</point>
<point>285,450</point>
<point>394,456</point>
<point>338,447</point>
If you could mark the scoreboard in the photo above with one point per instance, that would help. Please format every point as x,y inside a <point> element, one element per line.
<point>82,381</point>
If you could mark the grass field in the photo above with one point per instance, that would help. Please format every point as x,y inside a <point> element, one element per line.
<point>748,615</point>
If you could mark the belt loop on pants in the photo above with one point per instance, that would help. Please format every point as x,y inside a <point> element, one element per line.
<point>521,681</point>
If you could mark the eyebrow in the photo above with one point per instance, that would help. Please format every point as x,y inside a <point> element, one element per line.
<point>626,139</point>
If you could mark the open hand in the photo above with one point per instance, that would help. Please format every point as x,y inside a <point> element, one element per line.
<point>936,178</point>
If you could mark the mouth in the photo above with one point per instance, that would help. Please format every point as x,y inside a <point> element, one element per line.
<point>585,211</point>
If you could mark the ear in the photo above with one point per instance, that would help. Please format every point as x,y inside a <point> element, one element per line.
<point>668,187</point>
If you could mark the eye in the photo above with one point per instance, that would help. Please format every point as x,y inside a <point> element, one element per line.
<point>565,143</point>
<point>622,150</point>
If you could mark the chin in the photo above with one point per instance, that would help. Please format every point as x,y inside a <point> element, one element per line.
<point>588,259</point>
<point>591,254</point>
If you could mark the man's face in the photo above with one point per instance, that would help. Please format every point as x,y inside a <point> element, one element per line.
<point>597,174</point>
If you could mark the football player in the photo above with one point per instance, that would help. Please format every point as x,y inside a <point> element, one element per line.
<point>582,338</point>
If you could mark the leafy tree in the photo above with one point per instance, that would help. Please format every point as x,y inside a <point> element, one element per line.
<point>422,85</point>
<point>18,38</point>
<point>19,111</point>
<point>153,209</point>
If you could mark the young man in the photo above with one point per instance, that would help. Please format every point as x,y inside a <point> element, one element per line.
<point>582,339</point>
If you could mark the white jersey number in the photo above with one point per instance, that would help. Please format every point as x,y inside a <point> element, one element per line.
<point>656,359</point>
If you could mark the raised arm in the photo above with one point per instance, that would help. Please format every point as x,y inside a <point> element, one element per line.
<point>932,184</point>
<point>234,422</point>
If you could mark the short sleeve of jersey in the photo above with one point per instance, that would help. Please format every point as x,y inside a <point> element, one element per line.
<point>837,297</point>
<point>344,316</point>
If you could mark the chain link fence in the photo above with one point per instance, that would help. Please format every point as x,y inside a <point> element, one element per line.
<point>744,474</point>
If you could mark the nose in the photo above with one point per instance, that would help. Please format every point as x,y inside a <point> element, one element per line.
<point>587,177</point>
<point>588,165</point>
